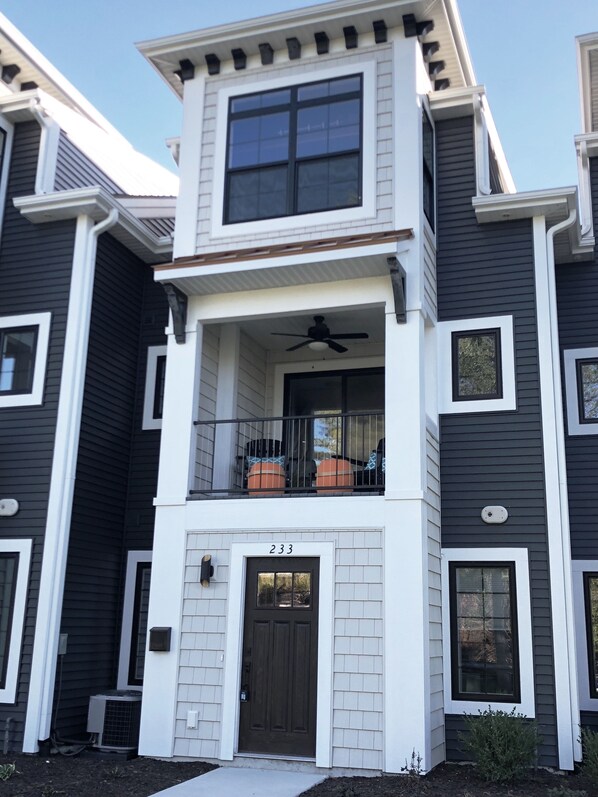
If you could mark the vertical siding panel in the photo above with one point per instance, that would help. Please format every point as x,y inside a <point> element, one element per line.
<point>494,458</point>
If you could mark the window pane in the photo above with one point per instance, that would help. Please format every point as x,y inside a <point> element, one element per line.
<point>328,183</point>
<point>476,358</point>
<point>257,194</point>
<point>255,101</point>
<point>588,387</point>
<point>301,590</point>
<point>8,579</point>
<point>284,589</point>
<point>265,589</point>
<point>259,139</point>
<point>591,594</point>
<point>330,128</point>
<point>483,641</point>
<point>17,359</point>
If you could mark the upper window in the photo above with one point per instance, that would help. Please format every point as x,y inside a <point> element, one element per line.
<point>15,556</point>
<point>483,633</point>
<point>581,383</point>
<point>476,361</point>
<point>428,168</point>
<point>155,380</point>
<point>23,353</point>
<point>294,150</point>
<point>476,365</point>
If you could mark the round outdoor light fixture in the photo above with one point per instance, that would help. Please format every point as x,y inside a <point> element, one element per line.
<point>317,345</point>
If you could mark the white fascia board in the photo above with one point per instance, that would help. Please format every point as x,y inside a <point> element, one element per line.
<point>149,207</point>
<point>591,142</point>
<point>292,261</point>
<point>94,202</point>
<point>460,41</point>
<point>525,205</point>
<point>451,103</point>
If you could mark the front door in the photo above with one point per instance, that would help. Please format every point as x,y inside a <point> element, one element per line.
<point>280,657</point>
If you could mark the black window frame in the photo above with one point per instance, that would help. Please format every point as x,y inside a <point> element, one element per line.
<point>485,697</point>
<point>579,363</point>
<point>11,330</point>
<point>429,172</point>
<point>592,669</point>
<point>455,338</point>
<point>6,655</point>
<point>292,162</point>
<point>133,680</point>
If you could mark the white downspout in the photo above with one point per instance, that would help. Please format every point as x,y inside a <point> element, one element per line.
<point>559,541</point>
<point>48,150</point>
<point>62,483</point>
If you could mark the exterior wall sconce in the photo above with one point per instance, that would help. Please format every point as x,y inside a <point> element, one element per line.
<point>207,570</point>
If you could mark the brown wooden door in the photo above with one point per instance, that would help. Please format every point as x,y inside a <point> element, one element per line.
<point>280,656</point>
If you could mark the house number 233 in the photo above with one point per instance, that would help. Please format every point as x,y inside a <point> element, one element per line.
<point>281,548</point>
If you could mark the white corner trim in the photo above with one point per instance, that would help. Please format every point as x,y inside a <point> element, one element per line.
<point>574,423</point>
<point>557,506</point>
<point>149,422</point>
<point>23,548</point>
<point>579,567</point>
<point>42,322</point>
<point>62,483</point>
<point>367,209</point>
<point>134,558</point>
<point>8,128</point>
<point>519,556</point>
<point>445,329</point>
<point>240,552</point>
<point>48,151</point>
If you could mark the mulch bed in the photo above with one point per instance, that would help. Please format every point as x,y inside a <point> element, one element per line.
<point>91,776</point>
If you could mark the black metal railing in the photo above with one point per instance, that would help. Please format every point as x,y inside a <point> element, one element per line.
<point>323,454</point>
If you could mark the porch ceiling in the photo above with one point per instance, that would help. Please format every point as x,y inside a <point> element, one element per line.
<point>327,260</point>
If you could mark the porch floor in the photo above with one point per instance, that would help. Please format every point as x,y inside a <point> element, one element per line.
<point>248,782</point>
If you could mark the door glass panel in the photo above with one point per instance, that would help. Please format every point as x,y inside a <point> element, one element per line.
<point>301,589</point>
<point>284,589</point>
<point>265,589</point>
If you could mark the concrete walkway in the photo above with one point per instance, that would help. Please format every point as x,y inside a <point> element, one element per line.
<point>239,782</point>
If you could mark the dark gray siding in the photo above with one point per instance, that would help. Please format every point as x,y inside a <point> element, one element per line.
<point>94,571</point>
<point>577,298</point>
<point>76,170</point>
<point>494,458</point>
<point>35,270</point>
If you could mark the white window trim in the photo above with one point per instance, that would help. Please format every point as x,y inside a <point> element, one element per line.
<point>23,548</point>
<point>149,422</point>
<point>519,556</point>
<point>239,554</point>
<point>579,567</point>
<point>507,364</point>
<point>366,210</point>
<point>42,322</point>
<point>571,356</point>
<point>133,559</point>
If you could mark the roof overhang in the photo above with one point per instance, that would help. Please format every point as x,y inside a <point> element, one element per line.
<point>555,205</point>
<point>96,203</point>
<point>328,260</point>
<point>165,54</point>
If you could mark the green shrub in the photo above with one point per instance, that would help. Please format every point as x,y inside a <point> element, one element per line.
<point>589,741</point>
<point>7,771</point>
<point>502,744</point>
<point>565,791</point>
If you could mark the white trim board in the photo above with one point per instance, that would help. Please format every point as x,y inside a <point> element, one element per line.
<point>574,424</point>
<point>519,556</point>
<point>42,322</point>
<point>133,559</point>
<point>239,553</point>
<point>445,329</point>
<point>23,548</point>
<point>366,210</point>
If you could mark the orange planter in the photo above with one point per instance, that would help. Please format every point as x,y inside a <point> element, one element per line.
<point>334,476</point>
<point>266,478</point>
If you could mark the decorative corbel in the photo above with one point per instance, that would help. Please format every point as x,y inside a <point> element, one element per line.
<point>399,288</point>
<point>177,301</point>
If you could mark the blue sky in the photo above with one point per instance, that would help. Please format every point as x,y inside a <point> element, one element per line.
<point>522,50</point>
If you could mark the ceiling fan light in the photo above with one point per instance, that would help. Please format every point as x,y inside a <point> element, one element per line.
<point>317,345</point>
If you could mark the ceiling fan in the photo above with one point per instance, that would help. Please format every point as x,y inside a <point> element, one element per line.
<point>319,337</point>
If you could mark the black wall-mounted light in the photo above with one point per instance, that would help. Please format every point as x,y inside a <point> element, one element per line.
<point>350,33</point>
<point>159,639</point>
<point>266,53</point>
<point>322,42</point>
<point>206,571</point>
<point>213,63</point>
<point>294,48</point>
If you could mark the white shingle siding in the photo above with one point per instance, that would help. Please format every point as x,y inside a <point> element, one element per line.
<point>430,293</point>
<point>207,406</point>
<point>296,73</point>
<point>594,88</point>
<point>252,378</point>
<point>435,597</point>
<point>357,645</point>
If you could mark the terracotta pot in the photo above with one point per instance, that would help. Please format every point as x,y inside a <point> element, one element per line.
<point>334,476</point>
<point>266,478</point>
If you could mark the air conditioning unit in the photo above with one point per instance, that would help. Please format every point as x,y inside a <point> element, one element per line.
<point>114,719</point>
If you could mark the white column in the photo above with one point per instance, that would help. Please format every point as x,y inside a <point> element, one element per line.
<point>177,459</point>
